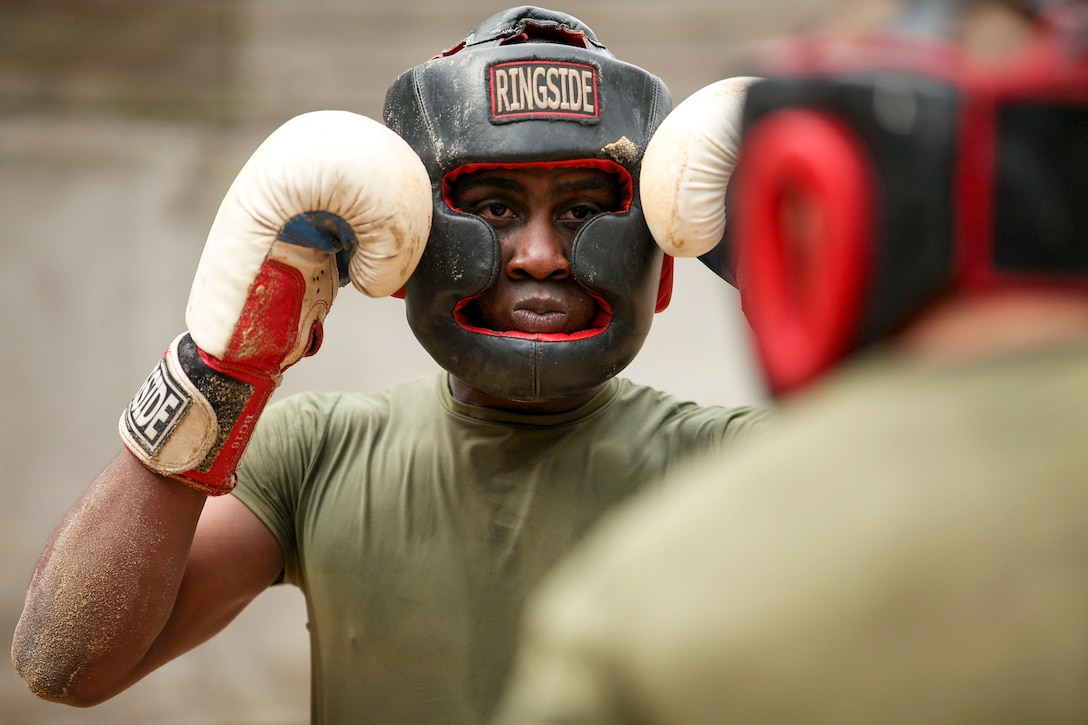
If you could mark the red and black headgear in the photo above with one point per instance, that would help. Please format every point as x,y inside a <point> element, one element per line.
<point>532,86</point>
<point>878,172</point>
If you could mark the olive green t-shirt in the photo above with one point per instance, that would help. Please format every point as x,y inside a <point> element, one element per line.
<point>909,544</point>
<point>415,525</point>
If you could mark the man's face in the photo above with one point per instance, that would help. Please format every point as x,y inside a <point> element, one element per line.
<point>535,213</point>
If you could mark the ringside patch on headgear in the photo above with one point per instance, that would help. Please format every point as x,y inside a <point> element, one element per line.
<point>532,87</point>
<point>554,90</point>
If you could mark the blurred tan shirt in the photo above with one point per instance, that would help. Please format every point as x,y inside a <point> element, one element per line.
<point>907,545</point>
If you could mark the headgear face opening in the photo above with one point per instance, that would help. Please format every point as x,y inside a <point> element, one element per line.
<point>876,173</point>
<point>531,87</point>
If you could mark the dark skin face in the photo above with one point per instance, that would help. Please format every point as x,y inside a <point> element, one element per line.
<point>535,214</point>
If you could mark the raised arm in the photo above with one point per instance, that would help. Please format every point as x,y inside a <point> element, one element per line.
<point>153,559</point>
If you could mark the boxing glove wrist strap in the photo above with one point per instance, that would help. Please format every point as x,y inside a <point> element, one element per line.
<point>194,415</point>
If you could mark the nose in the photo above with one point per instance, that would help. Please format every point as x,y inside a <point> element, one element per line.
<point>537,250</point>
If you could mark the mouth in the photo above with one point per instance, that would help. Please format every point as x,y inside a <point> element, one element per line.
<point>539,316</point>
<point>543,318</point>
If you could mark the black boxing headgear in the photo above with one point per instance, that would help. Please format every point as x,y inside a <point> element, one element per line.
<point>878,172</point>
<point>530,86</point>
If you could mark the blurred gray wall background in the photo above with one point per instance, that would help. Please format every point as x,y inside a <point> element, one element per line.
<point>122,122</point>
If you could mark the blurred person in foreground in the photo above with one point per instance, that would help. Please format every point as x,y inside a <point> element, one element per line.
<point>414,520</point>
<point>909,544</point>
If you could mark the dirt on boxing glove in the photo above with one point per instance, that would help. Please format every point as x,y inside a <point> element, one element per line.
<point>687,167</point>
<point>330,196</point>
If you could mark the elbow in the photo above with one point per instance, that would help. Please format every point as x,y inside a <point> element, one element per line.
<point>59,687</point>
<point>55,686</point>
<point>55,677</point>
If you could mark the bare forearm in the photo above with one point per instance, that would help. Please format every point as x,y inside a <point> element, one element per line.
<point>105,585</point>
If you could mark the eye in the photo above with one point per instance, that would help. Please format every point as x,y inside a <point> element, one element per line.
<point>492,210</point>
<point>496,209</point>
<point>580,212</point>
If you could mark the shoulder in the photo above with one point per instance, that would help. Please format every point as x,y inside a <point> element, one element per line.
<point>632,393</point>
<point>672,411</point>
<point>341,407</point>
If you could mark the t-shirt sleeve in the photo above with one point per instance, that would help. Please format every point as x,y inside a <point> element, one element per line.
<point>713,429</point>
<point>275,464</point>
<point>745,423</point>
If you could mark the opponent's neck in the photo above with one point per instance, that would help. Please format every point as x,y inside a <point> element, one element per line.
<point>968,327</point>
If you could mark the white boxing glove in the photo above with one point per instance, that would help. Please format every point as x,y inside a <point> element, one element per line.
<point>330,195</point>
<point>687,166</point>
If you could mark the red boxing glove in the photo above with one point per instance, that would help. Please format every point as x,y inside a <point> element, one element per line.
<point>329,196</point>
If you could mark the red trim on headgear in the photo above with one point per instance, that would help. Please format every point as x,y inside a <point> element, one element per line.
<point>604,316</point>
<point>666,284</point>
<point>547,32</point>
<point>804,231</point>
<point>664,287</point>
